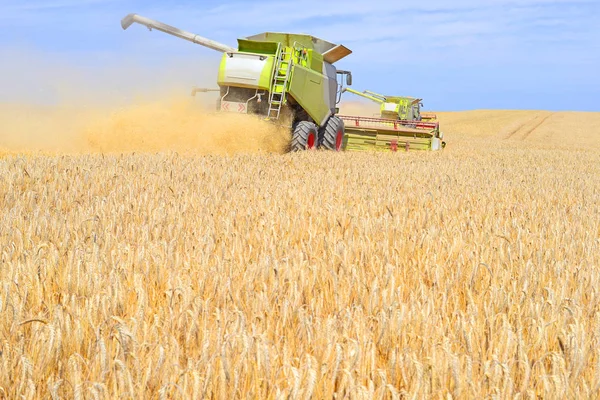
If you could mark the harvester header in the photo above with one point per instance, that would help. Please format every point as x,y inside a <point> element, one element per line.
<point>400,125</point>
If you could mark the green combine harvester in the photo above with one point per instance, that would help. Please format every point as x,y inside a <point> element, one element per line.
<point>278,74</point>
<point>400,125</point>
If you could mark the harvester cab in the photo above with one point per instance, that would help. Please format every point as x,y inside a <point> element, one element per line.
<point>400,124</point>
<point>274,75</point>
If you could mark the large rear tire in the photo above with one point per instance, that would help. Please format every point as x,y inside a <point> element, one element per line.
<point>333,134</point>
<point>304,136</point>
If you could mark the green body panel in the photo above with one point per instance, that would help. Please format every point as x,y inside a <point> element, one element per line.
<point>316,61</point>
<point>252,46</point>
<point>306,87</point>
<point>265,76</point>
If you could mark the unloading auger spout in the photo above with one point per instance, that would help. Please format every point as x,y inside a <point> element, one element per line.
<point>171,30</point>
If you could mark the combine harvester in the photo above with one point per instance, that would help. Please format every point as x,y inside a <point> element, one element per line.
<point>275,75</point>
<point>400,125</point>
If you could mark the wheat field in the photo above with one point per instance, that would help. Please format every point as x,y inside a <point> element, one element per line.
<point>465,274</point>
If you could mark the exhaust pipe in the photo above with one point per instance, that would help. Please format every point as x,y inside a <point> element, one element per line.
<point>171,30</point>
<point>203,90</point>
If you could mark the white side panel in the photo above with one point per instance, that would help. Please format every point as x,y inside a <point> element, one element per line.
<point>243,69</point>
<point>390,107</point>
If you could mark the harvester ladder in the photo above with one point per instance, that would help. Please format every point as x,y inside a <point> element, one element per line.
<point>276,98</point>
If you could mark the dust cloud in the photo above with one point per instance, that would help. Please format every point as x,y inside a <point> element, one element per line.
<point>69,107</point>
<point>361,108</point>
<point>174,124</point>
<point>52,103</point>
<point>180,125</point>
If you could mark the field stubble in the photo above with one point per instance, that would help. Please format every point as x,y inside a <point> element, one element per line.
<point>467,273</point>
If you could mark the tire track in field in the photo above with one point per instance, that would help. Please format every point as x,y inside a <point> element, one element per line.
<point>530,131</point>
<point>524,129</point>
<point>520,126</point>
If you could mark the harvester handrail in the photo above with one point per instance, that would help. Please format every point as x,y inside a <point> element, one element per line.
<point>302,55</point>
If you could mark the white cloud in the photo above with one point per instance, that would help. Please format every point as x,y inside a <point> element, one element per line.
<point>482,28</point>
<point>32,6</point>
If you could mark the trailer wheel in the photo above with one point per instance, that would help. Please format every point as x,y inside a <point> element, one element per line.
<point>333,134</point>
<point>304,136</point>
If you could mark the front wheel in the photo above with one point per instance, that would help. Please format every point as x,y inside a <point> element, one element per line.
<point>333,134</point>
<point>304,136</point>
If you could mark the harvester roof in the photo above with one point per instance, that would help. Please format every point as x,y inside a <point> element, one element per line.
<point>331,52</point>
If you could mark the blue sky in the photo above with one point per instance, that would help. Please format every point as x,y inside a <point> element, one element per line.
<point>463,54</point>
